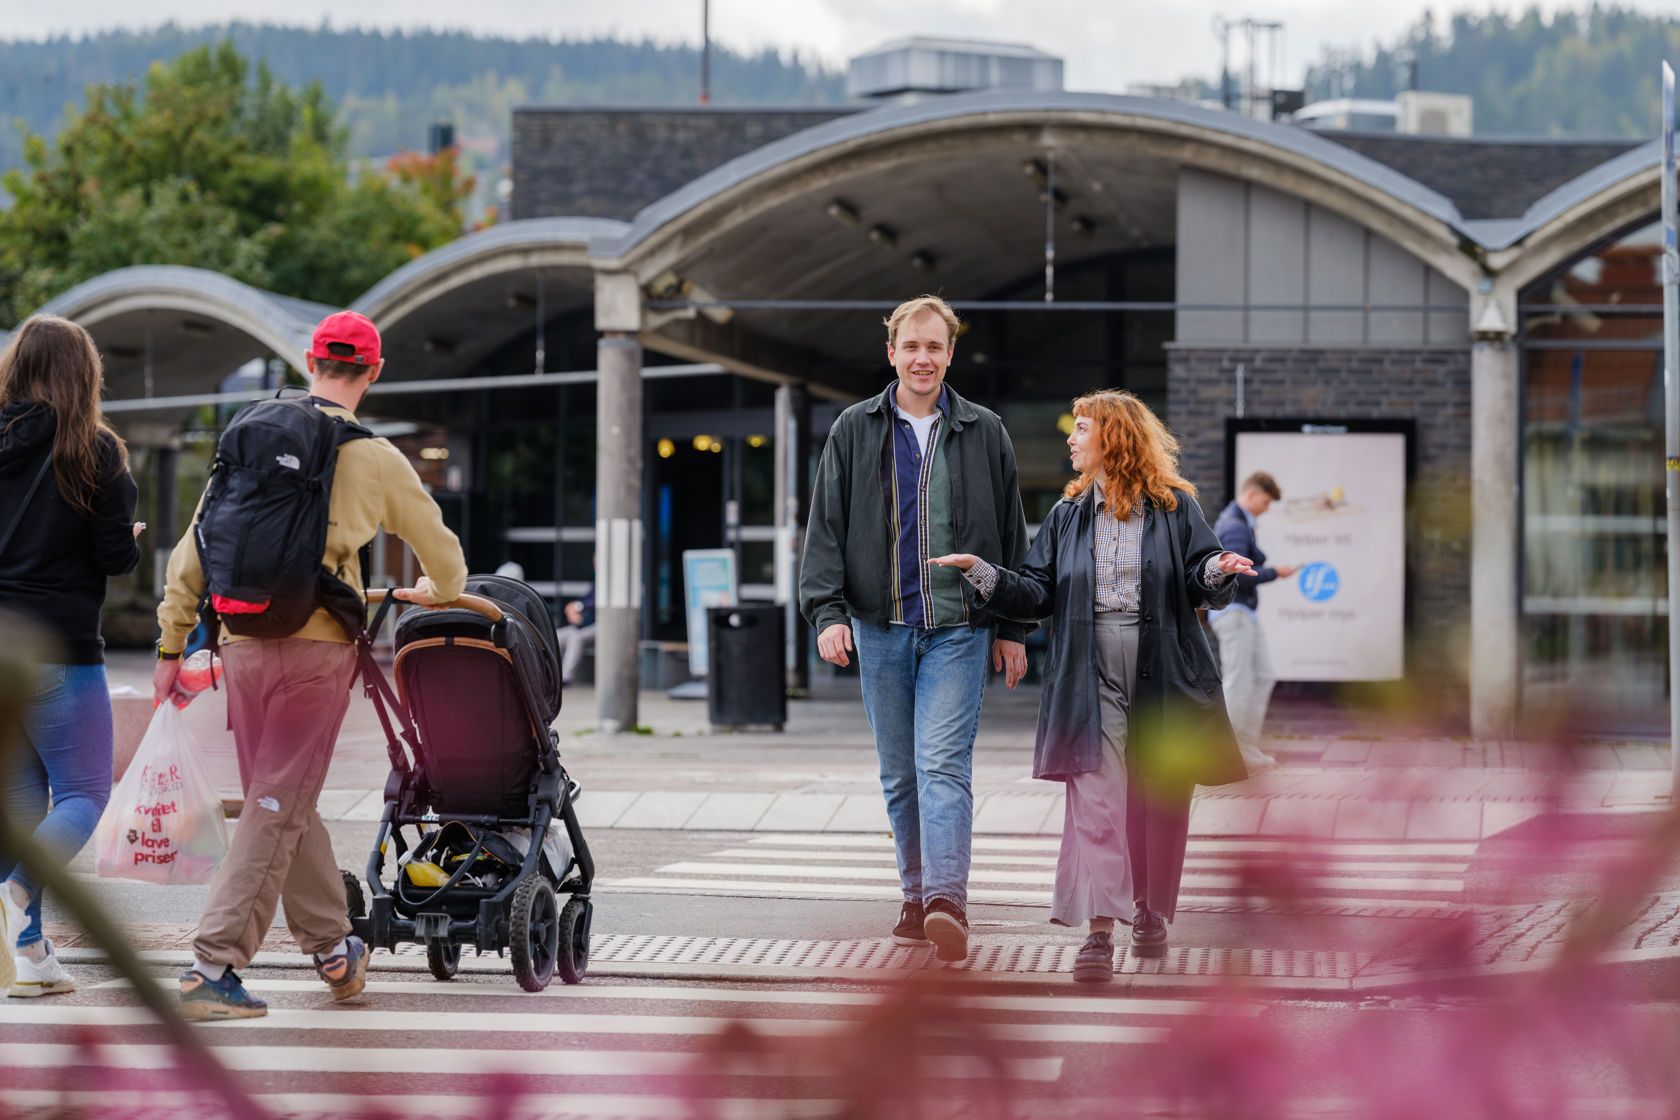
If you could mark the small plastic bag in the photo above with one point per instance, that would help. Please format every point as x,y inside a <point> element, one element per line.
<point>164,823</point>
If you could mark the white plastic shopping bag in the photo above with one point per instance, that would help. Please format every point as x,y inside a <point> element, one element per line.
<point>164,823</point>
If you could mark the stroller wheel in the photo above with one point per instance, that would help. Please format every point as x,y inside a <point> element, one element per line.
<point>574,940</point>
<point>534,933</point>
<point>355,902</point>
<point>443,959</point>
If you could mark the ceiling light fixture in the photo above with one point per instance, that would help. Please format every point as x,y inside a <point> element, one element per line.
<point>923,261</point>
<point>882,236</point>
<point>1082,225</point>
<point>843,212</point>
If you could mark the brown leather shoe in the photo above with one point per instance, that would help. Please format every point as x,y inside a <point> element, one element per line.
<point>1149,934</point>
<point>1095,962</point>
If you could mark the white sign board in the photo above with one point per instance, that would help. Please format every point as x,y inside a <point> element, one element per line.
<point>1343,518</point>
<point>708,581</point>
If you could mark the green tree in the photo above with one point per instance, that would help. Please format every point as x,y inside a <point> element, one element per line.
<point>217,166</point>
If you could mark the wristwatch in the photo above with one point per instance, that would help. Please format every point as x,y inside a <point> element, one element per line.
<point>165,655</point>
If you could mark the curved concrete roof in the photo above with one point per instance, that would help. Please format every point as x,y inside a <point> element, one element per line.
<point>531,242</point>
<point>1006,106</point>
<point>281,323</point>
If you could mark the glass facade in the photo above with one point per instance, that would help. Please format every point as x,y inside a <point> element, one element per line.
<point>1594,580</point>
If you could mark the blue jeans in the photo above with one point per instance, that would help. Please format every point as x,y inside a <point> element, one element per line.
<point>922,691</point>
<point>66,750</point>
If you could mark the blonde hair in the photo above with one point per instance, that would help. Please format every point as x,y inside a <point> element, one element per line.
<point>921,305</point>
<point>1139,455</point>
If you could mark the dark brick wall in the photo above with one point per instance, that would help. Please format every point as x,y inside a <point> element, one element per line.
<point>1429,387</point>
<point>609,163</point>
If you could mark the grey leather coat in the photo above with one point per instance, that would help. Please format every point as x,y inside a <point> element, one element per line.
<point>1178,730</point>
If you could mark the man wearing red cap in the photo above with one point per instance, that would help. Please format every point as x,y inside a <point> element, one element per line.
<point>287,698</point>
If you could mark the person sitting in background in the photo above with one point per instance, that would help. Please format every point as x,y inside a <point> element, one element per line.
<point>577,636</point>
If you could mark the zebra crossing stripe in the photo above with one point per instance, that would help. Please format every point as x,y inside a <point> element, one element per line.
<point>1240,845</point>
<point>567,1024</point>
<point>546,1062</point>
<point>190,1105</point>
<point>1191,879</point>
<point>1314,861</point>
<point>1108,1005</point>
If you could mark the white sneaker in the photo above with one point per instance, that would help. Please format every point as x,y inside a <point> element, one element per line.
<point>47,978</point>
<point>12,920</point>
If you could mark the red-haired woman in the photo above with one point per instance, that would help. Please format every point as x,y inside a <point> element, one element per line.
<point>1133,716</point>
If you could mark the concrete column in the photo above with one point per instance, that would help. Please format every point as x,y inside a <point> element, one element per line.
<point>618,531</point>
<point>162,532</point>
<point>793,443</point>
<point>1495,598</point>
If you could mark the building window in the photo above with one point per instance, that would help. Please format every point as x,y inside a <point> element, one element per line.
<point>1595,594</point>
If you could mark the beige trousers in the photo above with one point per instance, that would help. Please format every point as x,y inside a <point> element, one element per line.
<point>286,700</point>
<point>1094,868</point>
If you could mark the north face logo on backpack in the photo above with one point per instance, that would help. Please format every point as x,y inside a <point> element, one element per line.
<point>290,462</point>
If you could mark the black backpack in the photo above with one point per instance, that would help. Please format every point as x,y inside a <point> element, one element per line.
<point>262,531</point>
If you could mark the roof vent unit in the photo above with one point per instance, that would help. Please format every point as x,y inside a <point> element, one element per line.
<point>1433,114</point>
<point>913,69</point>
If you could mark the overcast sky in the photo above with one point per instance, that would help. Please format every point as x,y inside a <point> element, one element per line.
<point>1107,44</point>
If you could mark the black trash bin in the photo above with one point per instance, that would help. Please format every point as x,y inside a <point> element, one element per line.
<point>745,685</point>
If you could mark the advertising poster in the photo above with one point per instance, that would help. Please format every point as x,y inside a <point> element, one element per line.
<point>1343,519</point>
<point>708,581</point>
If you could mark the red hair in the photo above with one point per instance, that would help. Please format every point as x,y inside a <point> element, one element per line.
<point>1139,455</point>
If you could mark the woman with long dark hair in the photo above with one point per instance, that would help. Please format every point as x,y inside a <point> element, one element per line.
<point>1132,717</point>
<point>66,524</point>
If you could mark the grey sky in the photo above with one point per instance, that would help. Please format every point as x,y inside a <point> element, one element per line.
<point>1107,44</point>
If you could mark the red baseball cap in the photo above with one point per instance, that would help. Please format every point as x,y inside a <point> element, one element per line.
<point>346,328</point>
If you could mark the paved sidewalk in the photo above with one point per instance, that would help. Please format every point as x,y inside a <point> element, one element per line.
<point>819,775</point>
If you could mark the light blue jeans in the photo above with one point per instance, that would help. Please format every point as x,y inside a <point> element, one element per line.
<point>922,692</point>
<point>64,760</point>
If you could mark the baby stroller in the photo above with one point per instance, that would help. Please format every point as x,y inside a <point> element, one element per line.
<point>480,783</point>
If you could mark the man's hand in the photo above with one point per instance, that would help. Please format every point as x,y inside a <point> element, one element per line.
<point>1233,565</point>
<point>139,527</point>
<point>1011,659</point>
<point>1284,571</point>
<point>420,593</point>
<point>962,561</point>
<point>165,686</point>
<point>834,642</point>
<point>574,612</point>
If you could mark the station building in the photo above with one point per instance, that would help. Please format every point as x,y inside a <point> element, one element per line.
<point>645,358</point>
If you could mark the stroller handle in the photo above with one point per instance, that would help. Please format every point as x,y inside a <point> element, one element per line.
<point>477,603</point>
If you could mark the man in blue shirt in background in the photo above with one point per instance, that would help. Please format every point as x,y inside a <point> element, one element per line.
<point>1243,660</point>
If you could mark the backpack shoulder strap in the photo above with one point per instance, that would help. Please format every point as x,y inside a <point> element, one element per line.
<point>23,507</point>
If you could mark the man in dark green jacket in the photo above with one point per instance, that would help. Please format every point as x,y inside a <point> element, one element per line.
<point>906,476</point>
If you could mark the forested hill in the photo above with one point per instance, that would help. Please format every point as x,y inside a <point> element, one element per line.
<point>1596,72</point>
<point>390,86</point>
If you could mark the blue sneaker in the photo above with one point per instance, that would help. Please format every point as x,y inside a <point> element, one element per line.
<point>346,972</point>
<point>203,998</point>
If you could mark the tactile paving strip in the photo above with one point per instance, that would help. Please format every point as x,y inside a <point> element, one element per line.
<point>1016,957</point>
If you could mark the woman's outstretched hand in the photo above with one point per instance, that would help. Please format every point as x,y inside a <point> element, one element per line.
<point>1232,564</point>
<point>959,560</point>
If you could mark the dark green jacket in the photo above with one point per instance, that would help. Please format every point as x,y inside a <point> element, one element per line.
<point>845,572</point>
